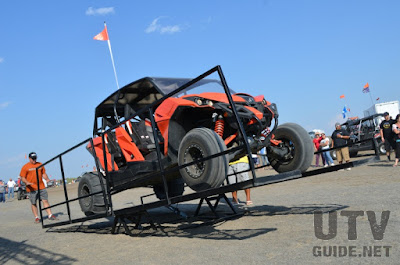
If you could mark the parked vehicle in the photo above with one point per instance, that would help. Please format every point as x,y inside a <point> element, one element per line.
<point>187,126</point>
<point>362,129</point>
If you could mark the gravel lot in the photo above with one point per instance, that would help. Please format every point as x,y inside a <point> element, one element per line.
<point>278,229</point>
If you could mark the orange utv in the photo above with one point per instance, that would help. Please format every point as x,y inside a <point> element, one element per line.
<point>164,133</point>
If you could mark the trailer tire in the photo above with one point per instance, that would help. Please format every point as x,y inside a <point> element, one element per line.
<point>297,139</point>
<point>175,188</point>
<point>199,143</point>
<point>95,204</point>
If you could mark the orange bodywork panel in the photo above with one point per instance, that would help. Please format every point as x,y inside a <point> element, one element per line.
<point>164,113</point>
<point>256,112</point>
<point>129,149</point>
<point>98,148</point>
<point>230,138</point>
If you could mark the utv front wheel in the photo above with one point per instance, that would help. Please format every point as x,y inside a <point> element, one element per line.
<point>197,144</point>
<point>298,145</point>
<point>95,204</point>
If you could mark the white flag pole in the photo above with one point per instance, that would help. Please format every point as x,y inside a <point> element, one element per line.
<point>112,58</point>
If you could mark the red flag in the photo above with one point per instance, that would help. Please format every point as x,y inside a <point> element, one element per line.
<point>342,96</point>
<point>102,35</point>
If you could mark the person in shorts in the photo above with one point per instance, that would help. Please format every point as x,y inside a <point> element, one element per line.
<point>340,137</point>
<point>387,134</point>
<point>28,176</point>
<point>235,175</point>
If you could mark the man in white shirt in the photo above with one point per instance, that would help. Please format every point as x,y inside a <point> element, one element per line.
<point>11,184</point>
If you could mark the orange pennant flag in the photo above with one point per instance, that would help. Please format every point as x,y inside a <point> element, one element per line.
<point>102,35</point>
<point>342,96</point>
<point>366,85</point>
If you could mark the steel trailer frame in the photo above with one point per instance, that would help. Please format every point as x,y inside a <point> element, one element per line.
<point>108,191</point>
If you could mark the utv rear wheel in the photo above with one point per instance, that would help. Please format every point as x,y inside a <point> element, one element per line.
<point>175,188</point>
<point>90,183</point>
<point>197,144</point>
<point>299,145</point>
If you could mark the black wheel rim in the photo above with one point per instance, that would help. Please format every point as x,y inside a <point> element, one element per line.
<point>382,149</point>
<point>192,153</point>
<point>286,143</point>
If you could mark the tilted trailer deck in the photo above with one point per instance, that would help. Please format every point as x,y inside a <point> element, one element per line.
<point>154,133</point>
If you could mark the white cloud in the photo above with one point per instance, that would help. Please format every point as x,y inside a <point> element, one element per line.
<point>155,26</point>
<point>102,11</point>
<point>1,59</point>
<point>4,105</point>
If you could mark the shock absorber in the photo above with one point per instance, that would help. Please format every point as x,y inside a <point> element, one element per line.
<point>219,126</point>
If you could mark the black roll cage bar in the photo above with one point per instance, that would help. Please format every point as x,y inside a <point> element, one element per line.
<point>254,182</point>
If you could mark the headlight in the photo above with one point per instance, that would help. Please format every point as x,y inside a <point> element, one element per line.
<point>199,101</point>
<point>202,102</point>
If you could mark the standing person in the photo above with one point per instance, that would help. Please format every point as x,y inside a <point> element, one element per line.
<point>340,137</point>
<point>396,131</point>
<point>264,158</point>
<point>11,184</point>
<point>2,192</point>
<point>387,134</point>
<point>317,139</point>
<point>324,144</point>
<point>233,176</point>
<point>28,176</point>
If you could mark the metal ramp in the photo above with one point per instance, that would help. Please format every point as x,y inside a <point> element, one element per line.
<point>136,213</point>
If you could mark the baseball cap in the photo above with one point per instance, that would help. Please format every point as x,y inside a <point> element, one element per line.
<point>337,124</point>
<point>386,113</point>
<point>32,155</point>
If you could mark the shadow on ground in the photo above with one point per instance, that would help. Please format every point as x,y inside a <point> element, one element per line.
<point>382,164</point>
<point>20,252</point>
<point>204,226</point>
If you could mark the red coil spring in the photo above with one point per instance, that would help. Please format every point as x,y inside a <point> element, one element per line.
<point>219,127</point>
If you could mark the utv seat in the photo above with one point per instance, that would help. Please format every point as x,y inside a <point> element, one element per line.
<point>142,135</point>
<point>115,150</point>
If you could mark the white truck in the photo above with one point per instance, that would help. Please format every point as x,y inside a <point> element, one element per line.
<point>392,107</point>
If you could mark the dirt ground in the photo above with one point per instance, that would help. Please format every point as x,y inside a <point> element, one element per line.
<point>278,229</point>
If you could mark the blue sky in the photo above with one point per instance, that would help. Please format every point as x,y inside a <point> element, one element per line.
<point>300,54</point>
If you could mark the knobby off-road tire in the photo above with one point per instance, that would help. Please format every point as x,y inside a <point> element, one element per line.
<point>200,143</point>
<point>300,144</point>
<point>90,183</point>
<point>175,188</point>
<point>19,194</point>
<point>353,153</point>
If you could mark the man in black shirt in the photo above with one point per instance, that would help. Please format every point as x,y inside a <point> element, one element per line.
<point>340,137</point>
<point>387,135</point>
